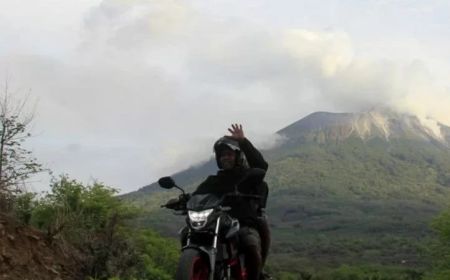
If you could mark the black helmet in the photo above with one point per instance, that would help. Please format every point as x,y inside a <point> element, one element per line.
<point>229,143</point>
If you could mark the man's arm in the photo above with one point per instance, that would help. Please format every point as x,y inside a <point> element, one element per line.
<point>254,157</point>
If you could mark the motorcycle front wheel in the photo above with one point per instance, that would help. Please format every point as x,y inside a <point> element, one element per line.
<point>192,266</point>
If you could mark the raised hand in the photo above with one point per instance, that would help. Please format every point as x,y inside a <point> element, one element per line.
<point>237,133</point>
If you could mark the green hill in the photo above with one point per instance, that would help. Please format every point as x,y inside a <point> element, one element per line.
<point>356,189</point>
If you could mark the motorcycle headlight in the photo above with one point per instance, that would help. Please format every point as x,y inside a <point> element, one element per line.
<point>198,218</point>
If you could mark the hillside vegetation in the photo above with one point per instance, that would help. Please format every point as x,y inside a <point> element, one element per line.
<point>358,203</point>
<point>81,232</point>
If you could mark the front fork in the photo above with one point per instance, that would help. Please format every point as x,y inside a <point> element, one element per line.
<point>211,252</point>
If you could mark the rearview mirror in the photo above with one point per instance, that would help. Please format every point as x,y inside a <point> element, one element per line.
<point>166,182</point>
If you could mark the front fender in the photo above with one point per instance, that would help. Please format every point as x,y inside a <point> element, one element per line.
<point>209,252</point>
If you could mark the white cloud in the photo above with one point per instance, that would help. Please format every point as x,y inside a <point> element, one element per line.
<point>329,51</point>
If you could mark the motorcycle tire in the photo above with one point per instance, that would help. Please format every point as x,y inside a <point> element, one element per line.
<point>192,266</point>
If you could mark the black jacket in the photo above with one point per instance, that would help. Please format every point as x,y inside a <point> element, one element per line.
<point>246,210</point>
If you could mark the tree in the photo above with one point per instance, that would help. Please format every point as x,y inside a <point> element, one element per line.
<point>440,249</point>
<point>16,163</point>
<point>100,226</point>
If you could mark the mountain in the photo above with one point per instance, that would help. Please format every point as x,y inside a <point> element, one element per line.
<point>345,188</point>
<point>323,127</point>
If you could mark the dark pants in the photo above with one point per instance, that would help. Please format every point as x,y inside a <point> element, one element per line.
<point>264,232</point>
<point>250,242</point>
<point>255,243</point>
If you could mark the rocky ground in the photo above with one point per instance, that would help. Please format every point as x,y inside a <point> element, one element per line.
<point>26,253</point>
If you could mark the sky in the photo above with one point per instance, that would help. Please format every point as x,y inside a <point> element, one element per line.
<point>127,91</point>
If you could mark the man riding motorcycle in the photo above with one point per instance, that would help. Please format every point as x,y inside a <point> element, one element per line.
<point>234,155</point>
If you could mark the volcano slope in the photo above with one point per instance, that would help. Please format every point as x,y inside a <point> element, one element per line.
<point>352,188</point>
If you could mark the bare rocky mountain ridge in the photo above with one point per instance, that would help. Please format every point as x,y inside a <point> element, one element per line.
<point>383,123</point>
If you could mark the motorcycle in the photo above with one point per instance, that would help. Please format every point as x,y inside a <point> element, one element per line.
<point>210,238</point>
